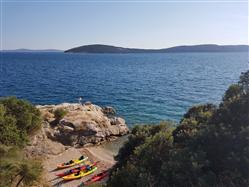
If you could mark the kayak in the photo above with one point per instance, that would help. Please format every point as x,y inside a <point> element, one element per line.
<point>95,178</point>
<point>72,163</point>
<point>80,174</point>
<point>75,170</point>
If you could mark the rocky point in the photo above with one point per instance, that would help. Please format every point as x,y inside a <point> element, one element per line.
<point>83,124</point>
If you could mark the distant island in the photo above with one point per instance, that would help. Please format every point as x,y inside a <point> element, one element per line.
<point>31,50</point>
<point>99,48</point>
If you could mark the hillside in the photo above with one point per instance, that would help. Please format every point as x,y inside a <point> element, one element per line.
<point>98,48</point>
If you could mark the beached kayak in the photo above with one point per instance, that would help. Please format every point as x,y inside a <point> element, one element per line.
<point>95,178</point>
<point>72,162</point>
<point>80,174</point>
<point>75,170</point>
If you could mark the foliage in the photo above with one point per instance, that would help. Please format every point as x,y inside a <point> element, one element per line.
<point>15,169</point>
<point>138,137</point>
<point>209,147</point>
<point>196,117</point>
<point>18,119</point>
<point>60,113</point>
<point>135,150</point>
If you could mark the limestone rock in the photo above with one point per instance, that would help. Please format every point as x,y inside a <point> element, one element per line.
<point>83,124</point>
<point>41,145</point>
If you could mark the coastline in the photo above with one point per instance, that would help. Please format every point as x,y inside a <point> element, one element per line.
<point>84,129</point>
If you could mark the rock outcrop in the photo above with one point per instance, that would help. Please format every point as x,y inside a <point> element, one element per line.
<point>41,146</point>
<point>82,125</point>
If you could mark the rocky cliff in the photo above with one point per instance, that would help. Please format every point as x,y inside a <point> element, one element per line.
<point>83,125</point>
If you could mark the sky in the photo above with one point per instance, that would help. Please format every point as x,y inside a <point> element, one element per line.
<point>63,24</point>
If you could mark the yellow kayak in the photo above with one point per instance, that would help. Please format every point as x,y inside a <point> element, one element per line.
<point>80,174</point>
<point>72,163</point>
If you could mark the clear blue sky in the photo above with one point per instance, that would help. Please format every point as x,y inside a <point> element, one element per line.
<point>62,25</point>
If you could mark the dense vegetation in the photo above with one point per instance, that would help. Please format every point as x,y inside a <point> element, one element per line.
<point>209,147</point>
<point>18,120</point>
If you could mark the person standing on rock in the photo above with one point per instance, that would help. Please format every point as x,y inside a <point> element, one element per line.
<point>80,99</point>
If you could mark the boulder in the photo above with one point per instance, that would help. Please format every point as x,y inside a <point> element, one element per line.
<point>41,145</point>
<point>87,103</point>
<point>83,124</point>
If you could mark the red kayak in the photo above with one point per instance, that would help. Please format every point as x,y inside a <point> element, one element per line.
<point>95,178</point>
<point>75,170</point>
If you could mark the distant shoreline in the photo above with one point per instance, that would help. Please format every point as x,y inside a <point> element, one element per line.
<point>109,49</point>
<point>99,48</point>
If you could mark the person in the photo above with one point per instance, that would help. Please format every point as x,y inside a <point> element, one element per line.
<point>80,99</point>
<point>88,168</point>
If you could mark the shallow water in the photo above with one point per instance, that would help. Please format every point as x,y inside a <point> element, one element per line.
<point>115,145</point>
<point>144,88</point>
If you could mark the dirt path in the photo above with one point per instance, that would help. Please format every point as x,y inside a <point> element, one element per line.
<point>100,154</point>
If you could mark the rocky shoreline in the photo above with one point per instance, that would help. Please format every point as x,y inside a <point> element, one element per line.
<point>83,125</point>
<point>78,132</point>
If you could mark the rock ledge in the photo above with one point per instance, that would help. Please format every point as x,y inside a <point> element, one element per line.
<point>83,125</point>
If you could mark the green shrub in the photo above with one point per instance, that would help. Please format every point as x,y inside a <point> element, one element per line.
<point>18,119</point>
<point>60,113</point>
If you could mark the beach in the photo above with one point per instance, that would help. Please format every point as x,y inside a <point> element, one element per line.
<point>98,154</point>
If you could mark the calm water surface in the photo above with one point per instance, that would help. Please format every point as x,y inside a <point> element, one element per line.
<point>144,88</point>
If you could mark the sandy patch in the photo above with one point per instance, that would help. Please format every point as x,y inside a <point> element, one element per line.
<point>100,154</point>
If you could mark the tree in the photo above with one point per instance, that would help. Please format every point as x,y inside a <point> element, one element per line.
<point>27,116</point>
<point>10,134</point>
<point>18,119</point>
<point>15,169</point>
<point>192,121</point>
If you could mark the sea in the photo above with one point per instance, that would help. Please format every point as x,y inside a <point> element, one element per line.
<point>143,88</point>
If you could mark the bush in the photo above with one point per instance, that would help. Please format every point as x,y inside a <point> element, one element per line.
<point>60,113</point>
<point>18,119</point>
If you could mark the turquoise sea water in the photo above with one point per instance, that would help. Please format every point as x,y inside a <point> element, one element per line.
<point>144,88</point>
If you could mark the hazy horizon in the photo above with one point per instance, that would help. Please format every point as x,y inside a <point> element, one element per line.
<point>149,25</point>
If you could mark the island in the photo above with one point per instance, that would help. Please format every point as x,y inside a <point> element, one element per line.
<point>99,48</point>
